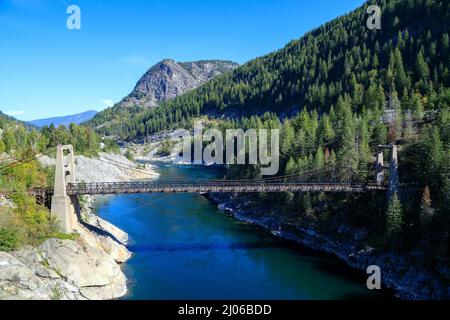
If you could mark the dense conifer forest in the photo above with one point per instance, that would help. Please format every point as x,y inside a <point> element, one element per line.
<point>328,93</point>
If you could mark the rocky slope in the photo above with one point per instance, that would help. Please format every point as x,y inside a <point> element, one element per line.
<point>87,268</point>
<point>107,167</point>
<point>168,79</point>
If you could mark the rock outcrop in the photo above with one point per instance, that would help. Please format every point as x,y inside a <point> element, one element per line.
<point>168,79</point>
<point>60,269</point>
<point>85,268</point>
<point>102,234</point>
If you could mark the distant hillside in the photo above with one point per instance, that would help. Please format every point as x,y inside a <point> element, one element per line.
<point>65,120</point>
<point>8,120</point>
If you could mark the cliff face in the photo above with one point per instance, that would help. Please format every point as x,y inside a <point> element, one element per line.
<point>169,79</point>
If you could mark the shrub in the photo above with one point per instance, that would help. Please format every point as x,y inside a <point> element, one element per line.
<point>9,239</point>
<point>166,148</point>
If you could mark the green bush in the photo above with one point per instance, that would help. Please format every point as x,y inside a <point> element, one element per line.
<point>9,239</point>
<point>129,155</point>
<point>166,148</point>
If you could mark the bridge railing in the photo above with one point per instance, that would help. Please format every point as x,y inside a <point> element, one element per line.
<point>216,186</point>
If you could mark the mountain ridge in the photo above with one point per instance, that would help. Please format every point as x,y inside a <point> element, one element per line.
<point>7,119</point>
<point>77,118</point>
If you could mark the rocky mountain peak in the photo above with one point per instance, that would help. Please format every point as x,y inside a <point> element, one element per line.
<point>168,79</point>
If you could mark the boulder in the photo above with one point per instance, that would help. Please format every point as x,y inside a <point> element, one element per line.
<point>85,267</point>
<point>113,248</point>
<point>96,221</point>
<point>19,282</point>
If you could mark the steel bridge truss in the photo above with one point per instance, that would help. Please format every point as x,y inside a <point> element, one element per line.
<point>104,188</point>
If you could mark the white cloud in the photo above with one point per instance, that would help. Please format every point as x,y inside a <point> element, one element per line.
<point>136,60</point>
<point>14,113</point>
<point>107,102</point>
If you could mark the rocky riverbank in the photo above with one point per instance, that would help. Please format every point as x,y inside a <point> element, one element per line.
<point>85,266</point>
<point>408,280</point>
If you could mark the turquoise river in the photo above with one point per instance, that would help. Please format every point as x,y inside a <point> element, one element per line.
<point>184,248</point>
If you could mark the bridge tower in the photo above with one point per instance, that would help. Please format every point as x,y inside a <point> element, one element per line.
<point>62,207</point>
<point>393,183</point>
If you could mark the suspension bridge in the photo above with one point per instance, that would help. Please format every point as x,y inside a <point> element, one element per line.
<point>62,199</point>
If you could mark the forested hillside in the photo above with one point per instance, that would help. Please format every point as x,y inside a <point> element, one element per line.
<point>327,92</point>
<point>408,56</point>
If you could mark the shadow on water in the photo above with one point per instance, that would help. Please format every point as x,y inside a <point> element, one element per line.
<point>202,247</point>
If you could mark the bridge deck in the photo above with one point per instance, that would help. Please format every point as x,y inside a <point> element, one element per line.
<point>102,188</point>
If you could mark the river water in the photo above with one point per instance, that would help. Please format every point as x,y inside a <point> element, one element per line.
<point>184,248</point>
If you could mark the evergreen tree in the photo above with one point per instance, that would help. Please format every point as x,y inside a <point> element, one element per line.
<point>422,68</point>
<point>417,106</point>
<point>287,140</point>
<point>364,151</point>
<point>433,157</point>
<point>291,167</point>
<point>401,79</point>
<point>319,160</point>
<point>426,211</point>
<point>348,155</point>
<point>326,132</point>
<point>394,223</point>
<point>445,44</point>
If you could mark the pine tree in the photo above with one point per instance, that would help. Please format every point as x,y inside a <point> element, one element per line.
<point>364,149</point>
<point>319,160</point>
<point>426,211</point>
<point>394,222</point>
<point>326,132</point>
<point>401,79</point>
<point>417,106</point>
<point>445,43</point>
<point>287,140</point>
<point>422,68</point>
<point>291,167</point>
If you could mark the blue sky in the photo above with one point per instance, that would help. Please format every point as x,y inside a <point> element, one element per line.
<point>47,70</point>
